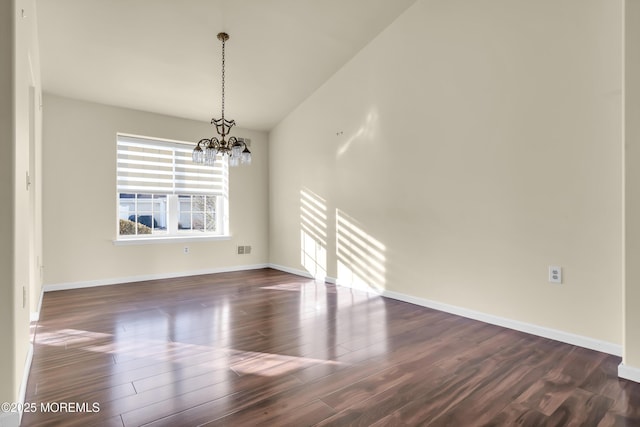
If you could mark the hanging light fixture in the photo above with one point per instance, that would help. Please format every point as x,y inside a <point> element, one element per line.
<point>206,149</point>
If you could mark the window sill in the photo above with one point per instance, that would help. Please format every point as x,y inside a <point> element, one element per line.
<point>168,239</point>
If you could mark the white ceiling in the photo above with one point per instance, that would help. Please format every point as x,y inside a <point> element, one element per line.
<point>163,55</point>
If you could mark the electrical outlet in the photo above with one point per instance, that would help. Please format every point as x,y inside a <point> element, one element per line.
<point>247,250</point>
<point>240,250</point>
<point>555,274</point>
<point>186,249</point>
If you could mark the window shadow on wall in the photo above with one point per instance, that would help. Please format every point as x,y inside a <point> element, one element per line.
<point>361,257</point>
<point>313,234</point>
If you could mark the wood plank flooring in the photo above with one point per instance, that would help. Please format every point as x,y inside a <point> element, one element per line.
<point>264,347</point>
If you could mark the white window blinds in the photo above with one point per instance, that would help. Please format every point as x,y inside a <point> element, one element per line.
<point>161,167</point>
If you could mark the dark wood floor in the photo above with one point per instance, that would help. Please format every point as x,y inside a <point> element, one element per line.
<point>268,348</point>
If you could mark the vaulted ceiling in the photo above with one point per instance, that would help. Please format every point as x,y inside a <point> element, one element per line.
<point>163,56</point>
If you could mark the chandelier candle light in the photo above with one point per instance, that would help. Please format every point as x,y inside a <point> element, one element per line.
<point>206,150</point>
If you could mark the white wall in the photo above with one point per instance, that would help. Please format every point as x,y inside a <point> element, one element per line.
<point>463,151</point>
<point>80,160</point>
<point>632,193</point>
<point>28,98</point>
<point>19,141</point>
<point>7,363</point>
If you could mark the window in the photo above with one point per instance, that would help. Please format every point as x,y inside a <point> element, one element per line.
<point>142,214</point>
<point>197,213</point>
<point>162,193</point>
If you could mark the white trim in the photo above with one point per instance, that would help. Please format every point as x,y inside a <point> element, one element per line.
<point>141,278</point>
<point>186,144</point>
<point>168,239</point>
<point>22,393</point>
<point>290,270</point>
<point>541,331</point>
<point>333,281</point>
<point>10,419</point>
<point>629,372</point>
<point>35,316</point>
<point>13,419</point>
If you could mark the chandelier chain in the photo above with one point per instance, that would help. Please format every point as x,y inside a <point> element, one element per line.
<point>223,41</point>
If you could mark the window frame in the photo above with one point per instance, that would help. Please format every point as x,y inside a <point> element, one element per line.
<point>220,183</point>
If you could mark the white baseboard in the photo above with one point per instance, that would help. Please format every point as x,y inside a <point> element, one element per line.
<point>541,331</point>
<point>629,372</point>
<point>13,419</point>
<point>22,393</point>
<point>333,281</point>
<point>141,278</point>
<point>35,316</point>
<point>10,419</point>
<point>290,270</point>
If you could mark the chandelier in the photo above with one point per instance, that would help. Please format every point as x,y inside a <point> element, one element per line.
<point>206,149</point>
